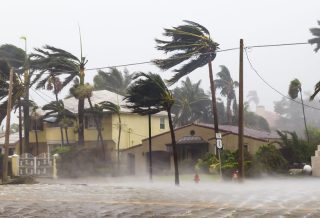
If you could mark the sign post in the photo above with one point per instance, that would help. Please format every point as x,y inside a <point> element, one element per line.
<point>219,147</point>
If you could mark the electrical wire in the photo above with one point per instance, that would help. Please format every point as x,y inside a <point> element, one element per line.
<point>270,86</point>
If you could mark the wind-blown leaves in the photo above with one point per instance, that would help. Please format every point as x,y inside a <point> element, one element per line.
<point>191,43</point>
<point>294,88</point>
<point>316,40</point>
<point>113,80</point>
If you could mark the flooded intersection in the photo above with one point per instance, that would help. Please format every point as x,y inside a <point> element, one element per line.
<point>260,198</point>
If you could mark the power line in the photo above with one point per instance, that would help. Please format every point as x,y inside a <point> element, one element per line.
<point>276,45</point>
<point>270,86</point>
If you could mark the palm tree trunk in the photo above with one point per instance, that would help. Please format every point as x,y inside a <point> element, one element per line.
<point>174,150</point>
<point>150,149</point>
<point>98,129</point>
<point>80,118</point>
<point>229,111</point>
<point>36,135</point>
<point>20,128</point>
<point>26,110</point>
<point>213,97</point>
<point>61,129</point>
<point>81,110</point>
<point>304,117</point>
<point>119,137</point>
<point>66,132</point>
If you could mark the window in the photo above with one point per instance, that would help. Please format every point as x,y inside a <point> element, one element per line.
<point>245,147</point>
<point>11,151</point>
<point>162,124</point>
<point>89,122</point>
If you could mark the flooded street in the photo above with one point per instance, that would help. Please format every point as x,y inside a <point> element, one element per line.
<point>261,198</point>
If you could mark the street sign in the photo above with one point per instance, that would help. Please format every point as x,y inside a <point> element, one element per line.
<point>218,135</point>
<point>219,143</point>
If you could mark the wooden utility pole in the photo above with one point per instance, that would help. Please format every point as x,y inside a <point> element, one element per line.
<point>7,133</point>
<point>240,124</point>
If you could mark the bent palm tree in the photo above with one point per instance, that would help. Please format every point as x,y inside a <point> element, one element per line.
<point>294,89</point>
<point>150,93</point>
<point>51,82</point>
<point>107,105</point>
<point>227,85</point>
<point>113,80</point>
<point>60,62</point>
<point>190,43</point>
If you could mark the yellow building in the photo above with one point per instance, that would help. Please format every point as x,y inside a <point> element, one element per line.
<point>134,127</point>
<point>193,141</point>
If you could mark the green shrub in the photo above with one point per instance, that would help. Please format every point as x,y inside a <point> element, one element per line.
<point>268,159</point>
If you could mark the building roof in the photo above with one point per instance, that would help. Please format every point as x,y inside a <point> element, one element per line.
<point>259,134</point>
<point>13,138</point>
<point>252,133</point>
<point>71,104</point>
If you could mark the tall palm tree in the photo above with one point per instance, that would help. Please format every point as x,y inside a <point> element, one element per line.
<point>227,85</point>
<point>191,103</point>
<point>149,93</point>
<point>50,82</point>
<point>190,43</point>
<point>114,80</point>
<point>60,62</point>
<point>107,105</point>
<point>85,92</point>
<point>294,89</point>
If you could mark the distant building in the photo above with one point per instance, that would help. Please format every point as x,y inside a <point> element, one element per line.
<point>193,141</point>
<point>270,116</point>
<point>134,126</point>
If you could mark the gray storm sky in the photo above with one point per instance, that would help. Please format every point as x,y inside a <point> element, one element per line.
<point>118,32</point>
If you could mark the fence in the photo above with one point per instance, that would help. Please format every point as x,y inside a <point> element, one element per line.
<point>29,165</point>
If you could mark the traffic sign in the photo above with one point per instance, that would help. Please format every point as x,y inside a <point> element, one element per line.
<point>219,143</point>
<point>218,135</point>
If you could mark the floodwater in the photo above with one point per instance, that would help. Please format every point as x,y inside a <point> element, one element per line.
<point>105,198</point>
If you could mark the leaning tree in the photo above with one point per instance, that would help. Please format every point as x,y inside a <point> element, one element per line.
<point>294,89</point>
<point>192,45</point>
<point>59,62</point>
<point>149,94</point>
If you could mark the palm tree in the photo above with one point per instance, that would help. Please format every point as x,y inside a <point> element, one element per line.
<point>227,85</point>
<point>149,94</point>
<point>50,82</point>
<point>64,116</point>
<point>60,62</point>
<point>191,103</point>
<point>294,89</point>
<point>113,80</point>
<point>107,105</point>
<point>85,92</point>
<point>191,42</point>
